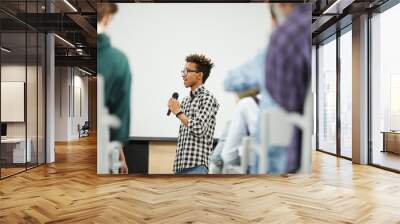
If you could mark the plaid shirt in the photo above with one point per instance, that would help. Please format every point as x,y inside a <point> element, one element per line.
<point>288,70</point>
<point>195,142</point>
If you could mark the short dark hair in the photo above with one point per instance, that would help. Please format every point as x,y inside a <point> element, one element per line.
<point>203,63</point>
<point>104,9</point>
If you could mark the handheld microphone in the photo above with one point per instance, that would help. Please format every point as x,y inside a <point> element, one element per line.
<point>175,95</point>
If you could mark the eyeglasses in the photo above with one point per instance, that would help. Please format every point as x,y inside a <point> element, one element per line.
<point>186,71</point>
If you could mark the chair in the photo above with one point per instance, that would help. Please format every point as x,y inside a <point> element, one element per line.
<point>107,151</point>
<point>84,130</point>
<point>276,130</point>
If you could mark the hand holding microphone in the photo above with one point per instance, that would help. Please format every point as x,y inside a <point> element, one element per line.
<point>173,104</point>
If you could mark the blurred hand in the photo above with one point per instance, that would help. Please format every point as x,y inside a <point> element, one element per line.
<point>123,168</point>
<point>174,106</point>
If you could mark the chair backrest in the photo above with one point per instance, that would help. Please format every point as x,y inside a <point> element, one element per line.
<point>107,151</point>
<point>102,130</point>
<point>307,127</point>
<point>276,130</point>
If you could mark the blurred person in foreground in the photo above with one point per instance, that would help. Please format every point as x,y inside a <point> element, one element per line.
<point>113,65</point>
<point>248,79</point>
<point>288,68</point>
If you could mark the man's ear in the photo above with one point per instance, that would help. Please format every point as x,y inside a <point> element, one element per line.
<point>107,19</point>
<point>201,76</point>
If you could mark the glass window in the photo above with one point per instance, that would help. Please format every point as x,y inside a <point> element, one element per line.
<point>41,98</point>
<point>22,91</point>
<point>31,101</point>
<point>346,94</point>
<point>327,97</point>
<point>14,150</point>
<point>385,89</point>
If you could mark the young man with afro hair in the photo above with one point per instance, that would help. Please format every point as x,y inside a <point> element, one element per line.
<point>197,115</point>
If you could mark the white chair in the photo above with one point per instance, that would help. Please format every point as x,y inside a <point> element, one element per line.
<point>276,130</point>
<point>107,151</point>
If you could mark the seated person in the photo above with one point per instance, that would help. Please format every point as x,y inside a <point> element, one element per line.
<point>249,77</point>
<point>243,123</point>
<point>244,117</point>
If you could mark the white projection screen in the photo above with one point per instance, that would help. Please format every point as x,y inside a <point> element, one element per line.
<point>12,101</point>
<point>156,39</point>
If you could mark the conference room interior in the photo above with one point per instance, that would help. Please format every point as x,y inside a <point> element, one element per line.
<point>25,50</point>
<point>29,59</point>
<point>48,164</point>
<point>332,85</point>
<point>153,135</point>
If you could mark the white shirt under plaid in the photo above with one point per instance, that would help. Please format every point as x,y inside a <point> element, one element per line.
<point>195,142</point>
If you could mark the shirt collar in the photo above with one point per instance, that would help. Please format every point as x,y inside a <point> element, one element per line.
<point>197,91</point>
<point>103,41</point>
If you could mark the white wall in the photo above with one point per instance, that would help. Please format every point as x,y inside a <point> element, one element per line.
<point>61,103</point>
<point>157,38</point>
<point>68,83</point>
<point>80,100</point>
<point>13,73</point>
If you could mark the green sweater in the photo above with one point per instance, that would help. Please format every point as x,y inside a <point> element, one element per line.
<point>113,65</point>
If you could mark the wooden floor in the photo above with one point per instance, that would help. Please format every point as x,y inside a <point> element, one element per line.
<point>5,172</point>
<point>69,191</point>
<point>10,171</point>
<point>386,159</point>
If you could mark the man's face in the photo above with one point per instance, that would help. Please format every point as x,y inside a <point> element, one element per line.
<point>191,75</point>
